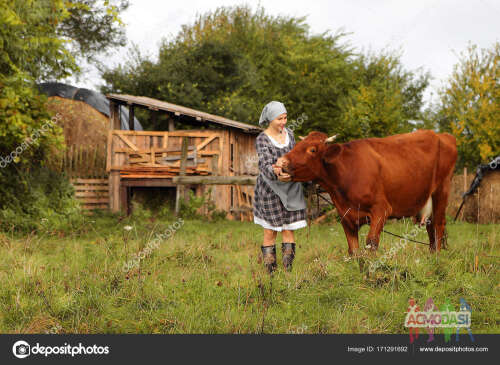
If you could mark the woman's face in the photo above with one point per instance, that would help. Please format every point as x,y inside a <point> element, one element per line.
<point>279,122</point>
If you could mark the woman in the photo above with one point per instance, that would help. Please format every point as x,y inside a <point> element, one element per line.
<point>278,204</point>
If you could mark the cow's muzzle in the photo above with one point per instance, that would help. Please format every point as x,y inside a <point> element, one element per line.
<point>286,166</point>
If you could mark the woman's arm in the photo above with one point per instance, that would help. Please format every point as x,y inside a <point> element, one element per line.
<point>266,159</point>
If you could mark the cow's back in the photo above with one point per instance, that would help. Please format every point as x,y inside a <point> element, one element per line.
<point>407,167</point>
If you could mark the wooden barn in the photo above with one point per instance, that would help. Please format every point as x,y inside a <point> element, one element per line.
<point>196,151</point>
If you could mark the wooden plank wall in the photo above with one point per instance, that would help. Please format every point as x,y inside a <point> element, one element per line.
<point>245,162</point>
<point>92,193</point>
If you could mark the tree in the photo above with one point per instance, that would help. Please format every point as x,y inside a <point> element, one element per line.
<point>92,27</point>
<point>233,61</point>
<point>37,42</point>
<point>385,99</point>
<point>470,105</point>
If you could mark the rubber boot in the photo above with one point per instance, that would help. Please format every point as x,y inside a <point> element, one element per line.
<point>288,251</point>
<point>269,257</point>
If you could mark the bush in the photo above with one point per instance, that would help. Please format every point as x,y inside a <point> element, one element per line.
<point>191,209</point>
<point>40,200</point>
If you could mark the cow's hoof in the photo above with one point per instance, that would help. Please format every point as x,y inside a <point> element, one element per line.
<point>371,245</point>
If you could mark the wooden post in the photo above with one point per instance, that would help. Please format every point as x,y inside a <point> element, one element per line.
<point>171,126</point>
<point>114,115</point>
<point>131,117</point>
<point>114,191</point>
<point>180,188</point>
<point>124,199</point>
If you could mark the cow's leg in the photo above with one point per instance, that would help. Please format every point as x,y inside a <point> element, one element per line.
<point>439,202</point>
<point>431,232</point>
<point>377,221</point>
<point>351,233</point>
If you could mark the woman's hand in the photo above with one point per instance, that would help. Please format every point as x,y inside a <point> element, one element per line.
<point>279,162</point>
<point>284,177</point>
<point>277,170</point>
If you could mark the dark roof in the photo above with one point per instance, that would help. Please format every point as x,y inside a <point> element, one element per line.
<point>182,110</point>
<point>96,100</point>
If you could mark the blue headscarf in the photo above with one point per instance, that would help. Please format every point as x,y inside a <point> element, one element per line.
<point>271,111</point>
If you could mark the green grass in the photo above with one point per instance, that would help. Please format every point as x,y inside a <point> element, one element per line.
<point>207,279</point>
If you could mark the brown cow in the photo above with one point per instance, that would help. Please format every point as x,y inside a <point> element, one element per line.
<point>373,179</point>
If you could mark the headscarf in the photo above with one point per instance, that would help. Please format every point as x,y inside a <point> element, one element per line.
<point>271,111</point>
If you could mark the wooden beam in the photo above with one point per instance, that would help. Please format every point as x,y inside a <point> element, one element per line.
<point>148,182</point>
<point>157,150</point>
<point>180,189</point>
<point>114,116</point>
<point>124,199</point>
<point>127,142</point>
<point>114,191</point>
<point>194,133</point>
<point>109,150</point>
<point>184,151</point>
<point>205,142</point>
<point>215,180</point>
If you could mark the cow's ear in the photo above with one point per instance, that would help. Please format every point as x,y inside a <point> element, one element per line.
<point>331,153</point>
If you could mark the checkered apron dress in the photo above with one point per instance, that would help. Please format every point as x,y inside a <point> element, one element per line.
<point>268,210</point>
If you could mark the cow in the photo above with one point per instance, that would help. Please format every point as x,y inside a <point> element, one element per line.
<point>374,179</point>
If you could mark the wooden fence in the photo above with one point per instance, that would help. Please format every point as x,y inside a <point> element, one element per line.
<point>81,161</point>
<point>85,166</point>
<point>92,193</point>
<point>481,207</point>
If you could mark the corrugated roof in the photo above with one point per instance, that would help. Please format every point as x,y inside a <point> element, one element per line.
<point>178,109</point>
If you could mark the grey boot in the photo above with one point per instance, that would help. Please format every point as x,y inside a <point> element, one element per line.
<point>269,257</point>
<point>288,251</point>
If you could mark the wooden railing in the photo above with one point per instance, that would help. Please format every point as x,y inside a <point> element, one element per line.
<point>158,154</point>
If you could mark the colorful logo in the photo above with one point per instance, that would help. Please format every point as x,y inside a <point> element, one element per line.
<point>430,318</point>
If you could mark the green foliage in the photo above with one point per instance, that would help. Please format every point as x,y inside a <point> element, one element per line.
<point>38,200</point>
<point>384,99</point>
<point>470,106</point>
<point>39,41</point>
<point>232,61</point>
<point>202,206</point>
<point>93,27</point>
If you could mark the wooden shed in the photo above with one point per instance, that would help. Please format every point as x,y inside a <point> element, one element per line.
<point>196,151</point>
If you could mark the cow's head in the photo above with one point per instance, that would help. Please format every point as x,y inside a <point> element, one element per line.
<point>304,162</point>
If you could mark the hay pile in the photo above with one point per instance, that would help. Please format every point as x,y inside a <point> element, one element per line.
<point>82,124</point>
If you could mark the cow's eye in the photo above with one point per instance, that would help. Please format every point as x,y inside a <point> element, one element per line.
<point>313,149</point>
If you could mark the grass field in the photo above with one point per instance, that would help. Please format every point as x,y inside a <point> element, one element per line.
<point>206,278</point>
